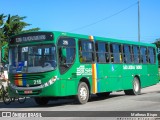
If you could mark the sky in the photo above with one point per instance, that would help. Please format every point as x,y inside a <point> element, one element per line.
<point>105,18</point>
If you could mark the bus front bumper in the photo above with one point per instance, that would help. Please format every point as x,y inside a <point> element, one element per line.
<point>31,90</point>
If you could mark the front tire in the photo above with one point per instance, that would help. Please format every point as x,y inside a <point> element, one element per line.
<point>83,93</point>
<point>21,99</point>
<point>136,88</point>
<point>41,100</point>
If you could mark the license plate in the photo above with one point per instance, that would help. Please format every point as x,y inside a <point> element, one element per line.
<point>27,91</point>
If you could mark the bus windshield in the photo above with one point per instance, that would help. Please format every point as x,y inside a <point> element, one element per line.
<point>32,59</point>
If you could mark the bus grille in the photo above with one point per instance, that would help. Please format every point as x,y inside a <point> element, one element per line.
<point>21,80</point>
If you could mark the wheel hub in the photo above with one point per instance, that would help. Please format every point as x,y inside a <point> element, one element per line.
<point>83,93</point>
<point>136,86</point>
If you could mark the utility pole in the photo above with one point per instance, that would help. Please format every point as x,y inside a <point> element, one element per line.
<point>139,21</point>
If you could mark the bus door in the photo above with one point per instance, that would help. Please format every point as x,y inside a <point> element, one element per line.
<point>67,68</point>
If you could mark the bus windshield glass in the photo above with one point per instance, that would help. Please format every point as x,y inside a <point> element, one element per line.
<point>32,59</point>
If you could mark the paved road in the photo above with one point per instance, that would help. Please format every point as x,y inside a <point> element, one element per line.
<point>149,100</point>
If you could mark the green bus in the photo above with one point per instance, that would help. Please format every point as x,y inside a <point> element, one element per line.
<point>48,65</point>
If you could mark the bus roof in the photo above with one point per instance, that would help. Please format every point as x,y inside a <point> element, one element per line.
<point>60,33</point>
<point>105,39</point>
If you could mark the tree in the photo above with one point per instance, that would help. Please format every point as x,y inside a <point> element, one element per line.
<point>157,42</point>
<point>12,25</point>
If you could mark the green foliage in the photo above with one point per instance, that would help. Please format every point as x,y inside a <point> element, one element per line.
<point>12,25</point>
<point>157,42</point>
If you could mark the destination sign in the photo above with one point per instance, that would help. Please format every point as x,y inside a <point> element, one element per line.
<point>32,37</point>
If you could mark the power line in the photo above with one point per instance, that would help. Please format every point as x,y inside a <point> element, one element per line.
<point>108,17</point>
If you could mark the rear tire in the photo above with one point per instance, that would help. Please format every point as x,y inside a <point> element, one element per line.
<point>83,93</point>
<point>136,88</point>
<point>41,100</point>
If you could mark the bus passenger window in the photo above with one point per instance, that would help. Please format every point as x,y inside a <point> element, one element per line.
<point>136,56</point>
<point>86,51</point>
<point>116,53</point>
<point>143,55</point>
<point>107,53</point>
<point>127,54</point>
<point>151,55</point>
<point>82,58</point>
<point>102,52</point>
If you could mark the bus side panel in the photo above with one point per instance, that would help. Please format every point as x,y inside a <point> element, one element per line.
<point>62,87</point>
<point>152,74</point>
<point>113,74</point>
<point>127,82</point>
<point>128,72</point>
<point>68,85</point>
<point>101,79</point>
<point>71,87</point>
<point>52,90</point>
<point>142,73</point>
<point>148,75</point>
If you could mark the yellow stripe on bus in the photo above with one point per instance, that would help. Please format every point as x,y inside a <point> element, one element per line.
<point>20,82</point>
<point>94,79</point>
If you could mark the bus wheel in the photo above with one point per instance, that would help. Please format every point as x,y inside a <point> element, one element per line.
<point>21,99</point>
<point>83,93</point>
<point>41,100</point>
<point>136,88</point>
<point>104,94</point>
